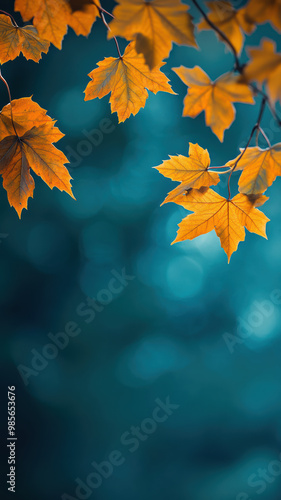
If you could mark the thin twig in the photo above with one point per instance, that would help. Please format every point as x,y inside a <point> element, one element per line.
<point>256,127</point>
<point>221,34</point>
<point>238,66</point>
<point>10,99</point>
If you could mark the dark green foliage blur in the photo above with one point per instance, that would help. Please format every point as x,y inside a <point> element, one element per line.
<point>188,326</point>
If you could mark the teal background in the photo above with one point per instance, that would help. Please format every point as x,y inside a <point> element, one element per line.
<point>164,334</point>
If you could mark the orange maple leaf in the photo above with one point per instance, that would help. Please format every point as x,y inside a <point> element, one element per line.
<point>261,11</point>
<point>227,217</point>
<point>192,171</point>
<point>127,78</point>
<point>154,26</point>
<point>215,98</point>
<point>14,40</point>
<point>265,67</point>
<point>26,143</point>
<point>260,168</point>
<point>230,21</point>
<point>51,17</point>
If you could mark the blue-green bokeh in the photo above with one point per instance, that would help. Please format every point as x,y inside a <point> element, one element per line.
<point>164,334</point>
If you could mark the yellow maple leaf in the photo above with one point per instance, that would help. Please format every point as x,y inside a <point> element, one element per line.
<point>23,148</point>
<point>230,21</point>
<point>265,67</point>
<point>127,78</point>
<point>215,98</point>
<point>260,168</point>
<point>26,114</point>
<point>154,26</point>
<point>227,217</point>
<point>261,11</point>
<point>192,171</point>
<point>14,40</point>
<point>51,18</point>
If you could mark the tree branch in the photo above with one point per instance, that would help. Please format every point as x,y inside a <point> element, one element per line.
<point>238,65</point>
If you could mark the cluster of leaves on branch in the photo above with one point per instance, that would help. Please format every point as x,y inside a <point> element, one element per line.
<point>28,134</point>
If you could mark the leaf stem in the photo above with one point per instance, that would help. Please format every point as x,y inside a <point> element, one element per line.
<point>10,99</point>
<point>220,173</point>
<point>102,12</point>
<point>265,136</point>
<point>100,8</point>
<point>10,16</point>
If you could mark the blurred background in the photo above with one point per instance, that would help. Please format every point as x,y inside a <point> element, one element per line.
<point>188,326</point>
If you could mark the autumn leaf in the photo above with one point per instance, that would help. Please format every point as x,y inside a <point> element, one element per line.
<point>127,79</point>
<point>230,21</point>
<point>262,11</point>
<point>265,67</point>
<point>14,40</point>
<point>30,148</point>
<point>192,171</point>
<point>26,114</point>
<point>51,18</point>
<point>154,26</point>
<point>227,217</point>
<point>260,168</point>
<point>215,98</point>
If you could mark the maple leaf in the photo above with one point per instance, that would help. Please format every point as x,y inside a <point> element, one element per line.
<point>261,11</point>
<point>260,168</point>
<point>30,148</point>
<point>127,79</point>
<point>14,40</point>
<point>26,114</point>
<point>215,98</point>
<point>230,21</point>
<point>154,26</point>
<point>51,17</point>
<point>265,66</point>
<point>192,172</point>
<point>227,217</point>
